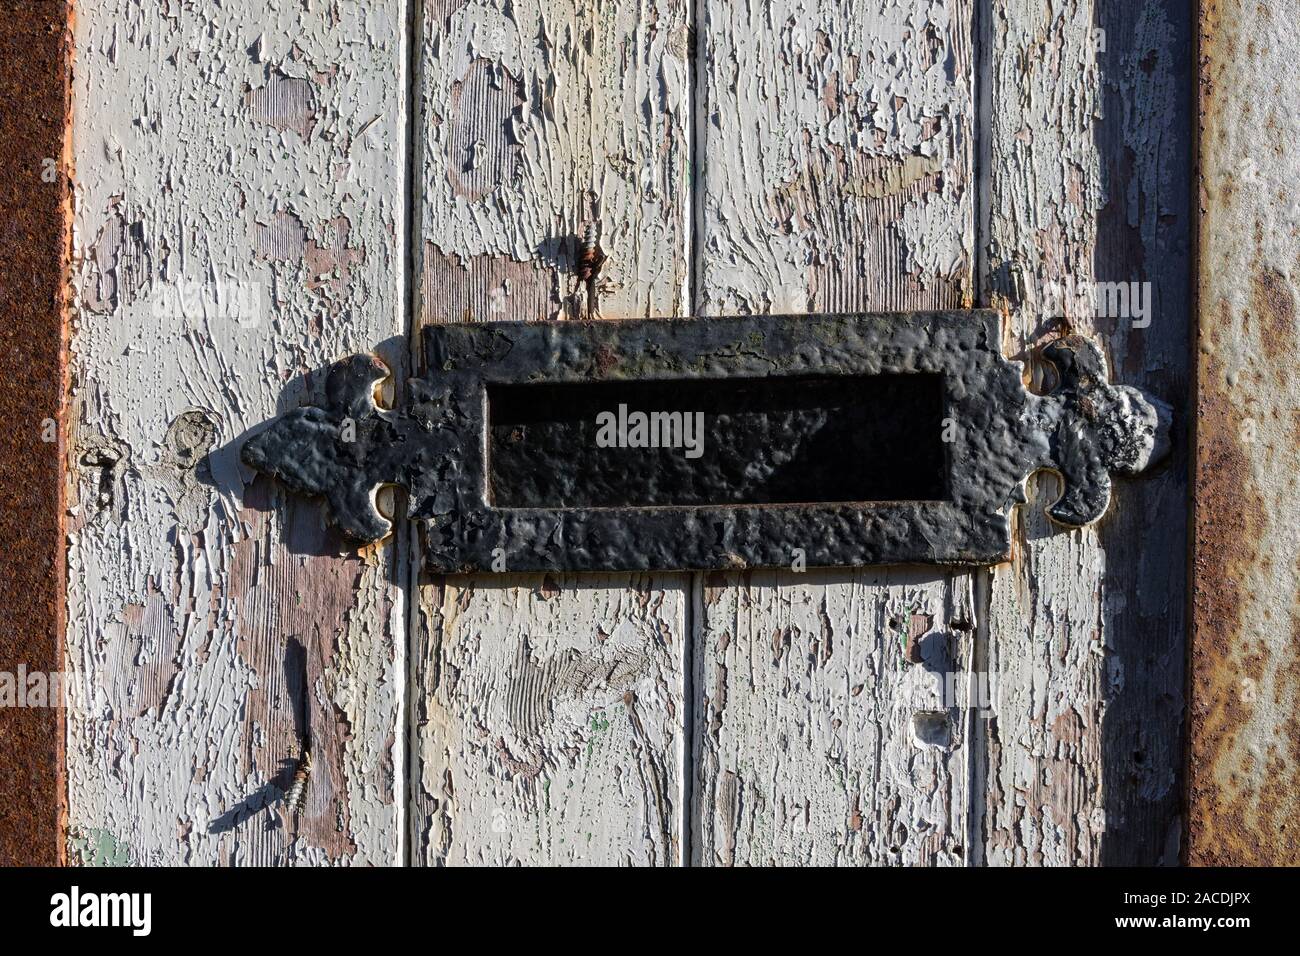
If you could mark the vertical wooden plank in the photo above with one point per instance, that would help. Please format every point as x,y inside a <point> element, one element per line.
<point>549,720</point>
<point>539,118</point>
<point>835,151</point>
<point>1244,768</point>
<point>35,61</point>
<point>239,225</point>
<point>833,718</point>
<point>1088,156</point>
<point>548,710</point>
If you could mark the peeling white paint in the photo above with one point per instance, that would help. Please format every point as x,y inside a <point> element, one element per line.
<point>551,721</point>
<point>801,105</point>
<point>543,115</point>
<point>548,711</point>
<point>937,240</point>
<point>260,147</point>
<point>1085,626</point>
<point>822,124</point>
<point>182,597</point>
<point>831,719</point>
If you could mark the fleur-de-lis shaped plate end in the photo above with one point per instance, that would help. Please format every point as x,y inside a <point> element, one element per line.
<point>1094,428</point>
<point>325,450</point>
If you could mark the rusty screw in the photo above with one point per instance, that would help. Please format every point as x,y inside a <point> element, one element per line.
<point>296,797</point>
<point>591,258</point>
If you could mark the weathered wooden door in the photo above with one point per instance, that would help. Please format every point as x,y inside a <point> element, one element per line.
<point>263,187</point>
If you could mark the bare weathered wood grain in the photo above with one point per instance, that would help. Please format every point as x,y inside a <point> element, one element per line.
<point>1088,149</point>
<point>548,711</point>
<point>549,723</point>
<point>239,224</point>
<point>833,718</point>
<point>835,173</point>
<point>539,118</point>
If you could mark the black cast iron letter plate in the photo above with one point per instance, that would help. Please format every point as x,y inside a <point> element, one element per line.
<point>837,440</point>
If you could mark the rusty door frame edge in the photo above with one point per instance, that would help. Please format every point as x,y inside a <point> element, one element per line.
<point>1224,823</point>
<point>35,199</point>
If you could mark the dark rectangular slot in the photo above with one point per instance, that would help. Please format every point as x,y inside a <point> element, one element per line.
<point>765,441</point>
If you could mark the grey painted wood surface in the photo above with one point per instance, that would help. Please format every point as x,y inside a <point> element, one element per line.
<point>548,711</point>
<point>736,157</point>
<point>1087,154</point>
<point>835,173</point>
<point>239,224</point>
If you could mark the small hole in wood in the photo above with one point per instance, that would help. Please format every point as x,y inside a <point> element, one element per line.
<point>931,728</point>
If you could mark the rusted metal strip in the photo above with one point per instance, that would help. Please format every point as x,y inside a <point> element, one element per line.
<point>1244,726</point>
<point>35,63</point>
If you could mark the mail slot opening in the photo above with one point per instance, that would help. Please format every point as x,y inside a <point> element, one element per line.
<point>802,440</point>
